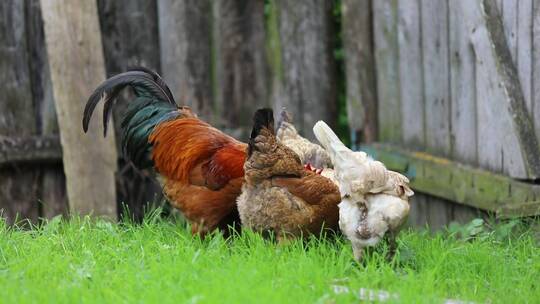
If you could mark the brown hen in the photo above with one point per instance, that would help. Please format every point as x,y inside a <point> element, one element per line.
<point>279,195</point>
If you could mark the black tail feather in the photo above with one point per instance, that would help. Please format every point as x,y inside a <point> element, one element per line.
<point>157,79</point>
<point>142,80</point>
<point>263,118</point>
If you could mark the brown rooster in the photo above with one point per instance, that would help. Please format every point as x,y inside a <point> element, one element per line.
<point>279,195</point>
<point>200,167</point>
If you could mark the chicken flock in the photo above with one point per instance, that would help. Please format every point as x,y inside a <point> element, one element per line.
<point>278,183</point>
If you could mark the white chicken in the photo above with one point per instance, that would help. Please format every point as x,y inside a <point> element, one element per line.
<point>375,200</point>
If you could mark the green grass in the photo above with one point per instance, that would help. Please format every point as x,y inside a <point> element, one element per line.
<point>159,261</point>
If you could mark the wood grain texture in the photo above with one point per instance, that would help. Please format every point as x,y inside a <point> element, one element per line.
<point>185,36</point>
<point>418,216</point>
<point>520,160</point>
<point>360,68</point>
<point>52,193</point>
<point>308,69</point>
<point>77,66</point>
<point>509,14</point>
<point>536,67</point>
<point>523,61</point>
<point>18,184</point>
<point>463,100</point>
<point>411,74</point>
<point>387,64</point>
<point>462,87</point>
<point>436,73</point>
<point>437,95</point>
<point>241,67</point>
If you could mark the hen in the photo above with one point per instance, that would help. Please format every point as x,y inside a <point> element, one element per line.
<point>279,195</point>
<point>310,154</point>
<point>200,167</point>
<point>374,199</point>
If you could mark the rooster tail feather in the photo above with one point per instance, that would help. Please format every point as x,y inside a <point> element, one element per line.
<point>263,118</point>
<point>154,104</point>
<point>143,81</point>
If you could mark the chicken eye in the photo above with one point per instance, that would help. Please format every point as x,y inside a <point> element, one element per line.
<point>346,195</point>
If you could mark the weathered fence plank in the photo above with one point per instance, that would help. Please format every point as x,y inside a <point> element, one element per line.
<point>536,67</point>
<point>18,184</point>
<point>436,75</point>
<point>30,149</point>
<point>185,37</point>
<point>463,99</point>
<point>52,194</point>
<point>387,59</point>
<point>241,68</point>
<point>360,69</point>
<point>463,87</point>
<point>410,71</point>
<point>72,27</point>
<point>307,64</point>
<point>436,72</point>
<point>523,56</point>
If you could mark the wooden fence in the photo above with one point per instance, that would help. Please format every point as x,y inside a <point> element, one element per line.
<point>431,76</point>
<point>457,79</point>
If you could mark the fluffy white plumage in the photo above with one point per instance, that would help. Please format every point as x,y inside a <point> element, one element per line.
<point>309,152</point>
<point>374,199</point>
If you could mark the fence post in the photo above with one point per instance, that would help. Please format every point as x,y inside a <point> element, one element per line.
<point>74,49</point>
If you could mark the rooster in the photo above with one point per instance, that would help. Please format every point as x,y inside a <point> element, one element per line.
<point>375,201</point>
<point>200,168</point>
<point>279,195</point>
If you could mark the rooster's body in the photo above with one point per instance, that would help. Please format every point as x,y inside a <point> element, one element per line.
<point>200,167</point>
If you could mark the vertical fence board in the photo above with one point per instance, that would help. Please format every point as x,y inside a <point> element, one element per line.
<point>536,66</point>
<point>72,27</point>
<point>419,211</point>
<point>308,69</point>
<point>18,185</point>
<point>387,64</point>
<point>186,52</point>
<point>410,71</point>
<point>240,58</point>
<point>360,69</point>
<point>463,87</point>
<point>436,75</point>
<point>523,60</point>
<point>463,98</point>
<point>436,71</point>
<point>52,191</point>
